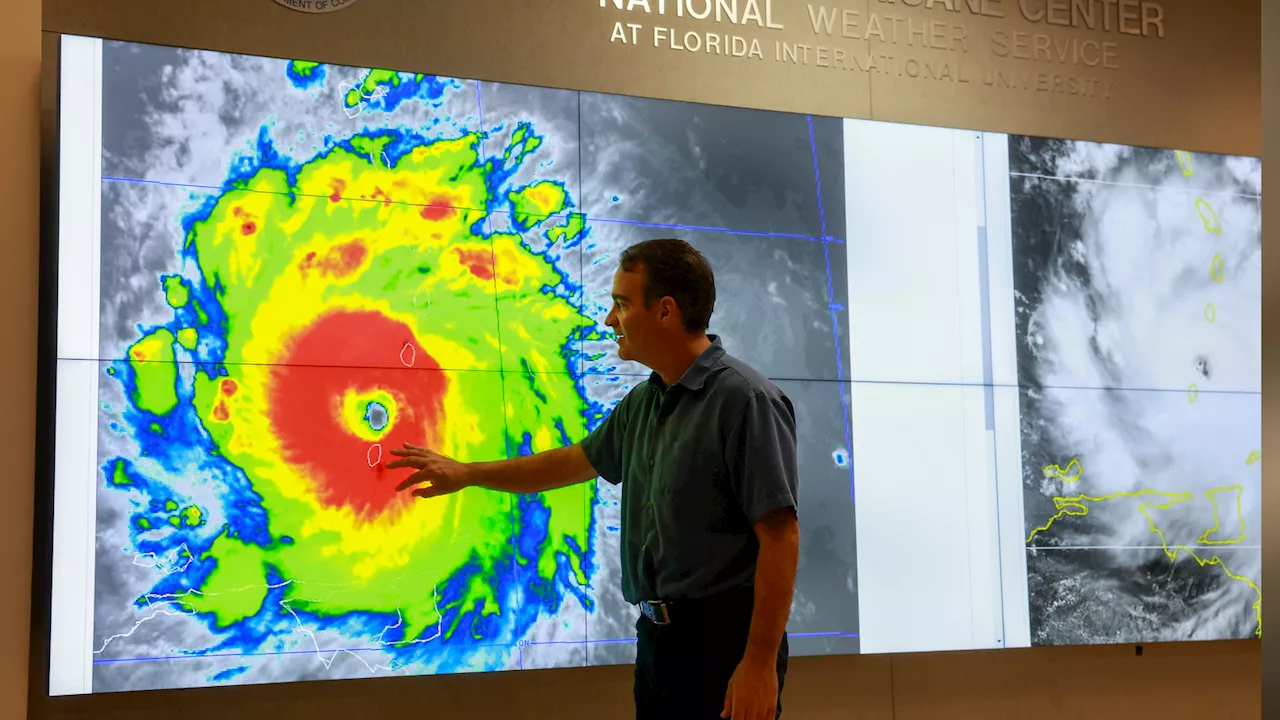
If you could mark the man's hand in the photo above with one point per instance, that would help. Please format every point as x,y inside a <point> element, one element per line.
<point>443,475</point>
<point>753,690</point>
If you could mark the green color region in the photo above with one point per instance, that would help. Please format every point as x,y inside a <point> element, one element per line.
<point>154,366</point>
<point>370,84</point>
<point>570,229</point>
<point>192,516</point>
<point>523,142</point>
<point>119,475</point>
<point>142,523</point>
<point>175,291</point>
<point>476,524</point>
<point>303,68</point>
<point>535,203</point>
<point>371,146</point>
<point>236,588</point>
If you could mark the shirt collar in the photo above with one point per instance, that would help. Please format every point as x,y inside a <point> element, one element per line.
<point>696,376</point>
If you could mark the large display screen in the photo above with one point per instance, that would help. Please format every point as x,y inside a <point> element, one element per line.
<point>1026,371</point>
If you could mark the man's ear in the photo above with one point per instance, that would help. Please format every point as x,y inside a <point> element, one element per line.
<point>669,308</point>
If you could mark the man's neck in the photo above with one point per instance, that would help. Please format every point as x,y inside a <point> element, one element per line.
<point>682,356</point>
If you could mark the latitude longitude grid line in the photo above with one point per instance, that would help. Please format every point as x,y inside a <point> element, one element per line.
<point>1137,186</point>
<point>1215,548</point>
<point>833,307</point>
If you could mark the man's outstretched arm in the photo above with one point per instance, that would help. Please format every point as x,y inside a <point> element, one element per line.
<point>598,455</point>
<point>437,475</point>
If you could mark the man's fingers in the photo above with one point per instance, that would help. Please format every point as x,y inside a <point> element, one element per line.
<point>415,462</point>
<point>415,479</point>
<point>429,491</point>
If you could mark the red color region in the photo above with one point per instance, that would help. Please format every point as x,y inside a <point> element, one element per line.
<point>479,262</point>
<point>338,261</point>
<point>306,401</point>
<point>438,208</point>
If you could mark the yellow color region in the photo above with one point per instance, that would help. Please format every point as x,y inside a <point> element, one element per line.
<point>1078,506</point>
<point>188,338</point>
<point>422,179</point>
<point>355,406</point>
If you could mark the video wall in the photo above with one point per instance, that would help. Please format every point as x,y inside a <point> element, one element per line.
<point>1026,371</point>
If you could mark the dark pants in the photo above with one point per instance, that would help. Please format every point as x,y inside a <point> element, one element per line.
<point>683,669</point>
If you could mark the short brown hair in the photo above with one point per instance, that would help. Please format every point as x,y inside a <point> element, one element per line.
<point>675,268</point>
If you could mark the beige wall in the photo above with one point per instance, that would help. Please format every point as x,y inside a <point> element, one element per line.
<point>1218,680</point>
<point>1210,104</point>
<point>1271,332</point>
<point>19,208</point>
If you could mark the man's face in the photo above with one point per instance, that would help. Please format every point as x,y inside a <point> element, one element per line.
<point>638,329</point>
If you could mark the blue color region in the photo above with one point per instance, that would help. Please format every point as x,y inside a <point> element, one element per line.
<point>388,96</point>
<point>375,414</point>
<point>305,75</point>
<point>231,673</point>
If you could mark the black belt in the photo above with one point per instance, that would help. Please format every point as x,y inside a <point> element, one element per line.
<point>665,612</point>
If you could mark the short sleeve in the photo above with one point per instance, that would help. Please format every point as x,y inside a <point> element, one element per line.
<point>764,468</point>
<point>604,446</point>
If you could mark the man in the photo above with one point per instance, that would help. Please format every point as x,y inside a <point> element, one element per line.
<point>705,451</point>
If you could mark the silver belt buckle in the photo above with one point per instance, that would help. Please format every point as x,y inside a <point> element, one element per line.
<point>656,611</point>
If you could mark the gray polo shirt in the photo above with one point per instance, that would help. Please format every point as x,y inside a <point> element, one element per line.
<point>700,463</point>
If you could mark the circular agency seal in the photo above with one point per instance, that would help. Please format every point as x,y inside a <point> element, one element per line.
<point>316,6</point>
